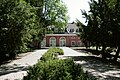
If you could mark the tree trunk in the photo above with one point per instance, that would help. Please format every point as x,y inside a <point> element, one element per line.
<point>103,52</point>
<point>39,44</point>
<point>96,47</point>
<point>89,45</point>
<point>117,54</point>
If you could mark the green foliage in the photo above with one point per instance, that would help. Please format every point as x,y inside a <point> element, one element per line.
<point>21,20</point>
<point>56,70</point>
<point>17,25</point>
<point>52,54</point>
<point>56,50</point>
<point>50,68</point>
<point>103,24</point>
<point>59,51</point>
<point>50,12</point>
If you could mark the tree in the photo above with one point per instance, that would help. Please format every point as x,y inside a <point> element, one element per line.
<point>116,28</point>
<point>50,12</point>
<point>98,30</point>
<point>103,25</point>
<point>17,21</point>
<point>91,31</point>
<point>83,33</point>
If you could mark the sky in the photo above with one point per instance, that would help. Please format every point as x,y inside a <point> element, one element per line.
<point>74,9</point>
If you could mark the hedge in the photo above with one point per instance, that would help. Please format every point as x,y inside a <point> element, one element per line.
<point>52,53</point>
<point>50,68</point>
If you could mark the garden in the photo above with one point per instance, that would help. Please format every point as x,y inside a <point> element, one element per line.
<point>50,67</point>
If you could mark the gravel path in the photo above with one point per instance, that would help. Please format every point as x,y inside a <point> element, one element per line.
<point>16,69</point>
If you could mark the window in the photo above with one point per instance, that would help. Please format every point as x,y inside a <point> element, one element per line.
<point>52,41</point>
<point>71,30</point>
<point>79,43</point>
<point>72,43</point>
<point>62,41</point>
<point>77,30</point>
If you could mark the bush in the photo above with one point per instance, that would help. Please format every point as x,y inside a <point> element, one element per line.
<point>56,50</point>
<point>56,70</point>
<point>52,54</point>
<point>59,51</point>
<point>51,68</point>
<point>49,56</point>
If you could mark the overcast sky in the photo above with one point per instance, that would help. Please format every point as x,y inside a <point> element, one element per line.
<point>74,7</point>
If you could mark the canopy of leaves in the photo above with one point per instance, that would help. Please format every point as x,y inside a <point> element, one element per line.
<point>51,12</point>
<point>103,23</point>
<point>21,20</point>
<point>17,24</point>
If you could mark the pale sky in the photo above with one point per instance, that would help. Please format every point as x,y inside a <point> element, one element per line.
<point>74,7</point>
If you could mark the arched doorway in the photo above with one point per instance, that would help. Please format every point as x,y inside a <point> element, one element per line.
<point>62,41</point>
<point>52,42</point>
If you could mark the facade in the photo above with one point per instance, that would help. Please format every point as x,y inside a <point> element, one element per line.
<point>69,38</point>
<point>61,40</point>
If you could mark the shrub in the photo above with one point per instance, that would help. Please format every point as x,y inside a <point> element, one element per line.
<point>56,70</point>
<point>51,68</point>
<point>59,51</point>
<point>49,56</point>
<point>52,54</point>
<point>56,50</point>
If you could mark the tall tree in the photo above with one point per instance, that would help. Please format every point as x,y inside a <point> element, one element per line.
<point>50,12</point>
<point>116,28</point>
<point>17,21</point>
<point>99,24</point>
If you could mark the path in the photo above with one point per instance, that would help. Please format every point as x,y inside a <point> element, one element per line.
<point>95,67</point>
<point>103,71</point>
<point>16,69</point>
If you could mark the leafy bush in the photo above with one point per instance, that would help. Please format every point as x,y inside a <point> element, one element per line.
<point>56,70</point>
<point>52,54</point>
<point>51,68</point>
<point>48,70</point>
<point>49,56</point>
<point>56,50</point>
<point>59,51</point>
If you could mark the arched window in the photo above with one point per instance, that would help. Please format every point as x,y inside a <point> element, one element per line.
<point>62,41</point>
<point>52,41</point>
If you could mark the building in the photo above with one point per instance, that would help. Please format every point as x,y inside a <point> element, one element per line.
<point>69,38</point>
<point>72,28</point>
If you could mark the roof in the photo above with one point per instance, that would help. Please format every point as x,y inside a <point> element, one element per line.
<point>72,26</point>
<point>60,35</point>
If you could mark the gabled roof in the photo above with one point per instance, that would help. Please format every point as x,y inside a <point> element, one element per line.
<point>72,26</point>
